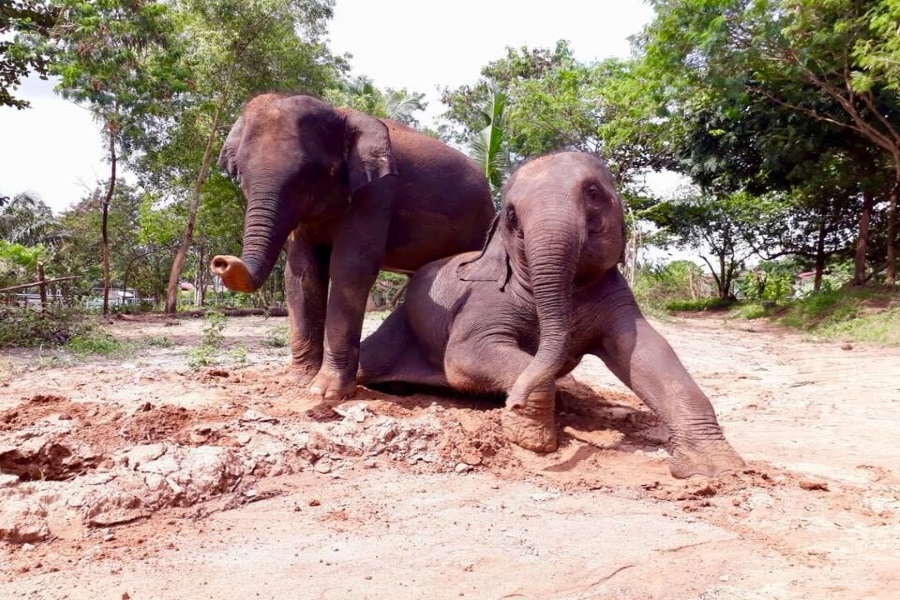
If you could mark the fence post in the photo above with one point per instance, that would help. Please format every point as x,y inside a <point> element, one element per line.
<point>42,285</point>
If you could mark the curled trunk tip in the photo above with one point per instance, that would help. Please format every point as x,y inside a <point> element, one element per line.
<point>234,273</point>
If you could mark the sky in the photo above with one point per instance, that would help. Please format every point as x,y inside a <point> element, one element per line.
<point>53,148</point>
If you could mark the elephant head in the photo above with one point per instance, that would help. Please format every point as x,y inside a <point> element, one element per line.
<point>297,159</point>
<point>561,226</point>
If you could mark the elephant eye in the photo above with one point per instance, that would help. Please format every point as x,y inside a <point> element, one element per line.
<point>512,221</point>
<point>593,193</point>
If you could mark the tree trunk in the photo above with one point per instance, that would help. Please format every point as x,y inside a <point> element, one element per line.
<point>890,277</point>
<point>178,263</point>
<point>723,283</point>
<point>820,256</point>
<point>862,241</point>
<point>104,221</point>
<point>201,276</point>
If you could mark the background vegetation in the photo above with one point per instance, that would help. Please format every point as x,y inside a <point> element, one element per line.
<point>781,115</point>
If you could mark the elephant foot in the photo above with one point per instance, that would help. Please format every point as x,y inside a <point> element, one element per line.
<point>332,386</point>
<point>704,459</point>
<point>301,374</point>
<point>529,428</point>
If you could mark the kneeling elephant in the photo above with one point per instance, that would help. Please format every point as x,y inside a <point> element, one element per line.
<point>543,292</point>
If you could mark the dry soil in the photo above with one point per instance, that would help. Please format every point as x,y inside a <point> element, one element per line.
<point>142,478</point>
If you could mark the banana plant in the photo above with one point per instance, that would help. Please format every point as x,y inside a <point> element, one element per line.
<point>488,147</point>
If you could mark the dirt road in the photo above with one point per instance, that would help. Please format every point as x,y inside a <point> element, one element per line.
<point>141,478</point>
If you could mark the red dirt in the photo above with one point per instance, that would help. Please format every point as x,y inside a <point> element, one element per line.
<point>140,478</point>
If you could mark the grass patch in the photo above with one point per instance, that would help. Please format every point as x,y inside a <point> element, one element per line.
<point>878,328</point>
<point>277,337</point>
<point>866,315</point>
<point>158,341</point>
<point>699,305</point>
<point>99,342</point>
<point>750,311</point>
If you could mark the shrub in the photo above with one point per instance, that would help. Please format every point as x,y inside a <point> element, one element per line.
<point>24,327</point>
<point>698,305</point>
<point>658,285</point>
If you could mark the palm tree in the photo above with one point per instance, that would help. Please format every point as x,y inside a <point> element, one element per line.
<point>400,105</point>
<point>26,220</point>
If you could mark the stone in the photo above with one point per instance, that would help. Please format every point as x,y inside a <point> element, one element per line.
<point>144,454</point>
<point>22,521</point>
<point>8,480</point>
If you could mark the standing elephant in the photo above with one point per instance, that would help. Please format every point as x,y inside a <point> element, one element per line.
<point>543,292</point>
<point>344,194</point>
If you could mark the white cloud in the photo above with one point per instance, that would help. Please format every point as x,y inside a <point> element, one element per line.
<point>54,147</point>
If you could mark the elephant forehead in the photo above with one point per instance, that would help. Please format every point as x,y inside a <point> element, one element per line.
<point>262,105</point>
<point>565,166</point>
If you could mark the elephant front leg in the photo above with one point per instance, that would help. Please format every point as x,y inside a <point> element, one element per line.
<point>306,285</point>
<point>475,365</point>
<point>356,257</point>
<point>645,362</point>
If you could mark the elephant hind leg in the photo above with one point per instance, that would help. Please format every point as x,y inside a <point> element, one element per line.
<point>391,354</point>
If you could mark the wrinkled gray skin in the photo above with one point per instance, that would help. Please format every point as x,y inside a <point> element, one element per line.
<point>344,194</point>
<point>544,292</point>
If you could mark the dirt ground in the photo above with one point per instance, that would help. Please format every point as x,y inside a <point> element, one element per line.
<point>141,478</point>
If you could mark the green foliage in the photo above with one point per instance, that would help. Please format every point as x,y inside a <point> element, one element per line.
<point>555,102</point>
<point>879,328</point>
<point>658,285</point>
<point>32,18</point>
<point>209,352</point>
<point>158,341</point>
<point>729,228</point>
<point>794,96</point>
<point>826,306</point>
<point>136,259</point>
<point>361,94</point>
<point>488,146</point>
<point>387,286</point>
<point>18,263</point>
<point>97,341</point>
<point>212,333</point>
<point>702,304</point>
<point>751,310</point>
<point>24,327</point>
<point>770,281</point>
<point>25,219</point>
<point>850,314</point>
<point>119,58</point>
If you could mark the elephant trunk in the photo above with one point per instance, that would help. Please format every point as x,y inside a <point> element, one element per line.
<point>551,253</point>
<point>265,231</point>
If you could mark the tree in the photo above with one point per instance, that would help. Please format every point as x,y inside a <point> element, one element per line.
<point>117,57</point>
<point>555,102</point>
<point>33,19</point>
<point>135,261</point>
<point>237,49</point>
<point>726,229</point>
<point>25,219</point>
<point>785,51</point>
<point>361,94</point>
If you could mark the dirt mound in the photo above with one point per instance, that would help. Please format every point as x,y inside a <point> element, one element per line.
<point>98,465</point>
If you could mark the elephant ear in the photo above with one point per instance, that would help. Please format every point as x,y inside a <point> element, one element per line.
<point>228,156</point>
<point>368,150</point>
<point>492,264</point>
